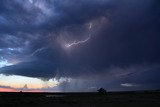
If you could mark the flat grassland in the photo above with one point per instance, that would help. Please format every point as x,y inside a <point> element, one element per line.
<point>111,99</point>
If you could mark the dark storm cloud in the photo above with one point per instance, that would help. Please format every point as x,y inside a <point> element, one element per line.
<point>41,69</point>
<point>131,37</point>
<point>20,18</point>
<point>126,34</point>
<point>47,15</point>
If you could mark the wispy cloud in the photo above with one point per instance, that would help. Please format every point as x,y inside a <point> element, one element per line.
<point>130,85</point>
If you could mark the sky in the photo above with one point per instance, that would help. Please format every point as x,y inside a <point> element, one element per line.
<point>79,45</point>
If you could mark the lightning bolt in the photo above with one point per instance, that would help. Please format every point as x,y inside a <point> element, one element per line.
<point>38,50</point>
<point>77,42</point>
<point>82,41</point>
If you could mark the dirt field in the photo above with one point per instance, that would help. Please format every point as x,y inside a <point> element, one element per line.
<point>125,99</point>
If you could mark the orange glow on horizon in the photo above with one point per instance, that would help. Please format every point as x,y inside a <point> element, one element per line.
<point>8,90</point>
<point>22,82</point>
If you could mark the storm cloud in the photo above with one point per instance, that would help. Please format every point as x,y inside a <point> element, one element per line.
<point>112,40</point>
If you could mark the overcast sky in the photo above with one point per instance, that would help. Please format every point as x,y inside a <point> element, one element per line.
<point>79,45</point>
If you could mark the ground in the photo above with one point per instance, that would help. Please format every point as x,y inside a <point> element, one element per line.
<point>111,99</point>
